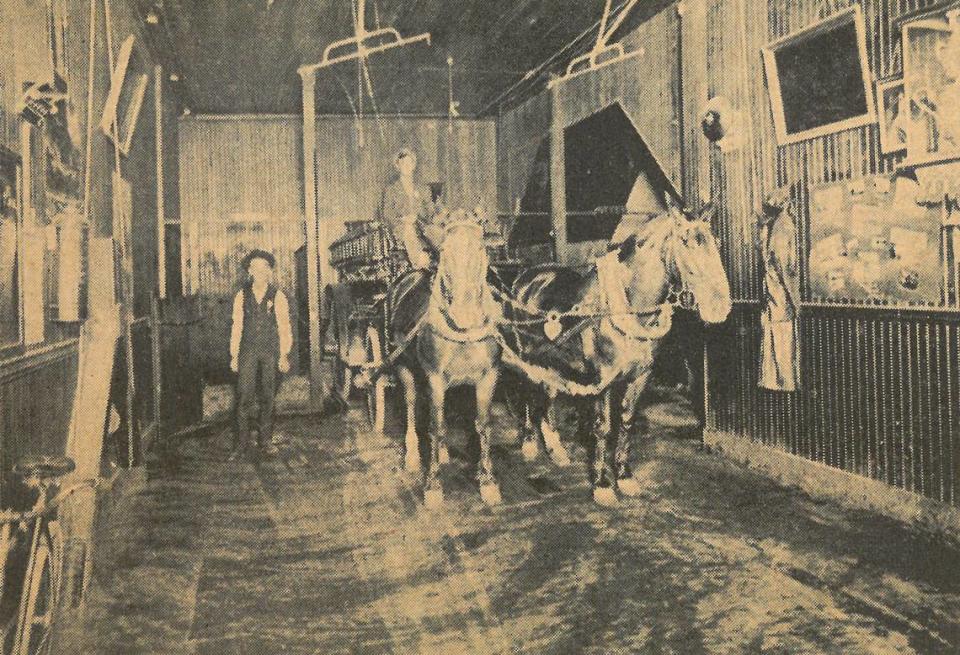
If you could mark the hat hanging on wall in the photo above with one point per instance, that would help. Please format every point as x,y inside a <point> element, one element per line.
<point>721,124</point>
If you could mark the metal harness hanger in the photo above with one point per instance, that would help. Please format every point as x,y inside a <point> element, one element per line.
<point>364,42</point>
<point>603,53</point>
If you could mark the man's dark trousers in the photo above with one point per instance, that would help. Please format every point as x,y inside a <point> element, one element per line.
<point>259,352</point>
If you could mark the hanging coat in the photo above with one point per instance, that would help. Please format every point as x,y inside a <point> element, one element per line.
<point>779,357</point>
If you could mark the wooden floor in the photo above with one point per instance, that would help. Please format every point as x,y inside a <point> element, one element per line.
<point>327,549</point>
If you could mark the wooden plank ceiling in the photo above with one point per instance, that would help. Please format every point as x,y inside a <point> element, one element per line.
<point>241,56</point>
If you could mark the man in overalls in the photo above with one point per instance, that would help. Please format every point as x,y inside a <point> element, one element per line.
<point>260,341</point>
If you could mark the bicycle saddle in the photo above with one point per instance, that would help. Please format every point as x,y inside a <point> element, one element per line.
<point>44,466</point>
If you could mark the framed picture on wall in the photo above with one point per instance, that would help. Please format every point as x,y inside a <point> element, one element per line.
<point>819,78</point>
<point>127,89</point>
<point>10,192</point>
<point>931,73</point>
<point>892,115</point>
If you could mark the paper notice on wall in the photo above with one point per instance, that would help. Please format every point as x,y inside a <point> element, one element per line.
<point>828,199</point>
<point>34,252</point>
<point>70,271</point>
<point>863,220</point>
<point>909,245</point>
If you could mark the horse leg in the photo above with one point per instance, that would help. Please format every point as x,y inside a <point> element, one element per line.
<point>551,437</point>
<point>439,389</point>
<point>628,412</point>
<point>412,439</point>
<point>433,495</point>
<point>531,446</point>
<point>489,490</point>
<point>603,493</point>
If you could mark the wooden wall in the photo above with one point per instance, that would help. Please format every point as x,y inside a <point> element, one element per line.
<point>351,176</point>
<point>878,386</point>
<point>38,378</point>
<point>241,187</point>
<point>520,133</point>
<point>647,88</point>
<point>36,395</point>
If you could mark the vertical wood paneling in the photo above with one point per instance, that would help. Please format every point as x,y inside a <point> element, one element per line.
<point>35,406</point>
<point>351,174</point>
<point>520,133</point>
<point>241,188</point>
<point>645,85</point>
<point>879,390</point>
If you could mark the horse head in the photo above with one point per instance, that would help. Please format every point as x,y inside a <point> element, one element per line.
<point>674,256</point>
<point>462,272</point>
<point>695,258</point>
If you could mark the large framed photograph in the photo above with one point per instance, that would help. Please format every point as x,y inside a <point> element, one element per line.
<point>819,78</point>
<point>892,115</point>
<point>931,73</point>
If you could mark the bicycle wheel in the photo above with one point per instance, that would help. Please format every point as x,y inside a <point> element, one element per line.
<point>35,631</point>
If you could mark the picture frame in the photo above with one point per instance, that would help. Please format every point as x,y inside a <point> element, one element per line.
<point>890,96</point>
<point>10,183</point>
<point>931,74</point>
<point>11,220</point>
<point>813,94</point>
<point>125,100</point>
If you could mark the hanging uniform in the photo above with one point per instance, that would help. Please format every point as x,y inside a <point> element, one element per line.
<point>779,365</point>
<point>261,334</point>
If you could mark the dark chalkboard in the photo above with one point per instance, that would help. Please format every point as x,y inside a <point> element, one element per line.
<point>820,75</point>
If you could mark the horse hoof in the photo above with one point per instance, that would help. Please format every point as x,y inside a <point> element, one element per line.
<point>560,457</point>
<point>444,455</point>
<point>433,498</point>
<point>629,487</point>
<point>605,496</point>
<point>491,494</point>
<point>412,463</point>
<point>529,450</point>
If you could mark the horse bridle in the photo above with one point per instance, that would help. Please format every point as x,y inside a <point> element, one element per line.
<point>679,294</point>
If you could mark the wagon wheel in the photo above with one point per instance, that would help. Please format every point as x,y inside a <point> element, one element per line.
<point>342,375</point>
<point>32,636</point>
<point>376,390</point>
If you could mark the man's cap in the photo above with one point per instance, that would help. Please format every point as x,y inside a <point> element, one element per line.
<point>259,254</point>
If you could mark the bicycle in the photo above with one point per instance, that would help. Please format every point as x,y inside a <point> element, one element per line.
<point>31,575</point>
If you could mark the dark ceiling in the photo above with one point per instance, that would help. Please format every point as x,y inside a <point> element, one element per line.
<point>241,56</point>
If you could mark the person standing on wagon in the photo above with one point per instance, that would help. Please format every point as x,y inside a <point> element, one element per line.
<point>406,208</point>
<point>260,341</point>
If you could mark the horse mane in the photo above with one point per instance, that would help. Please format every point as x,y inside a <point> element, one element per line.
<point>463,261</point>
<point>654,232</point>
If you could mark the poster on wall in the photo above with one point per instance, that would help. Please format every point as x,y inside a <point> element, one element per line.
<point>891,112</point>
<point>871,242</point>
<point>931,69</point>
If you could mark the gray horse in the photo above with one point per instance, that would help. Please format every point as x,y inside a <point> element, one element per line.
<point>618,310</point>
<point>455,316</point>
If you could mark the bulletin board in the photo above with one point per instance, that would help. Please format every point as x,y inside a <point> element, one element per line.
<point>871,242</point>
